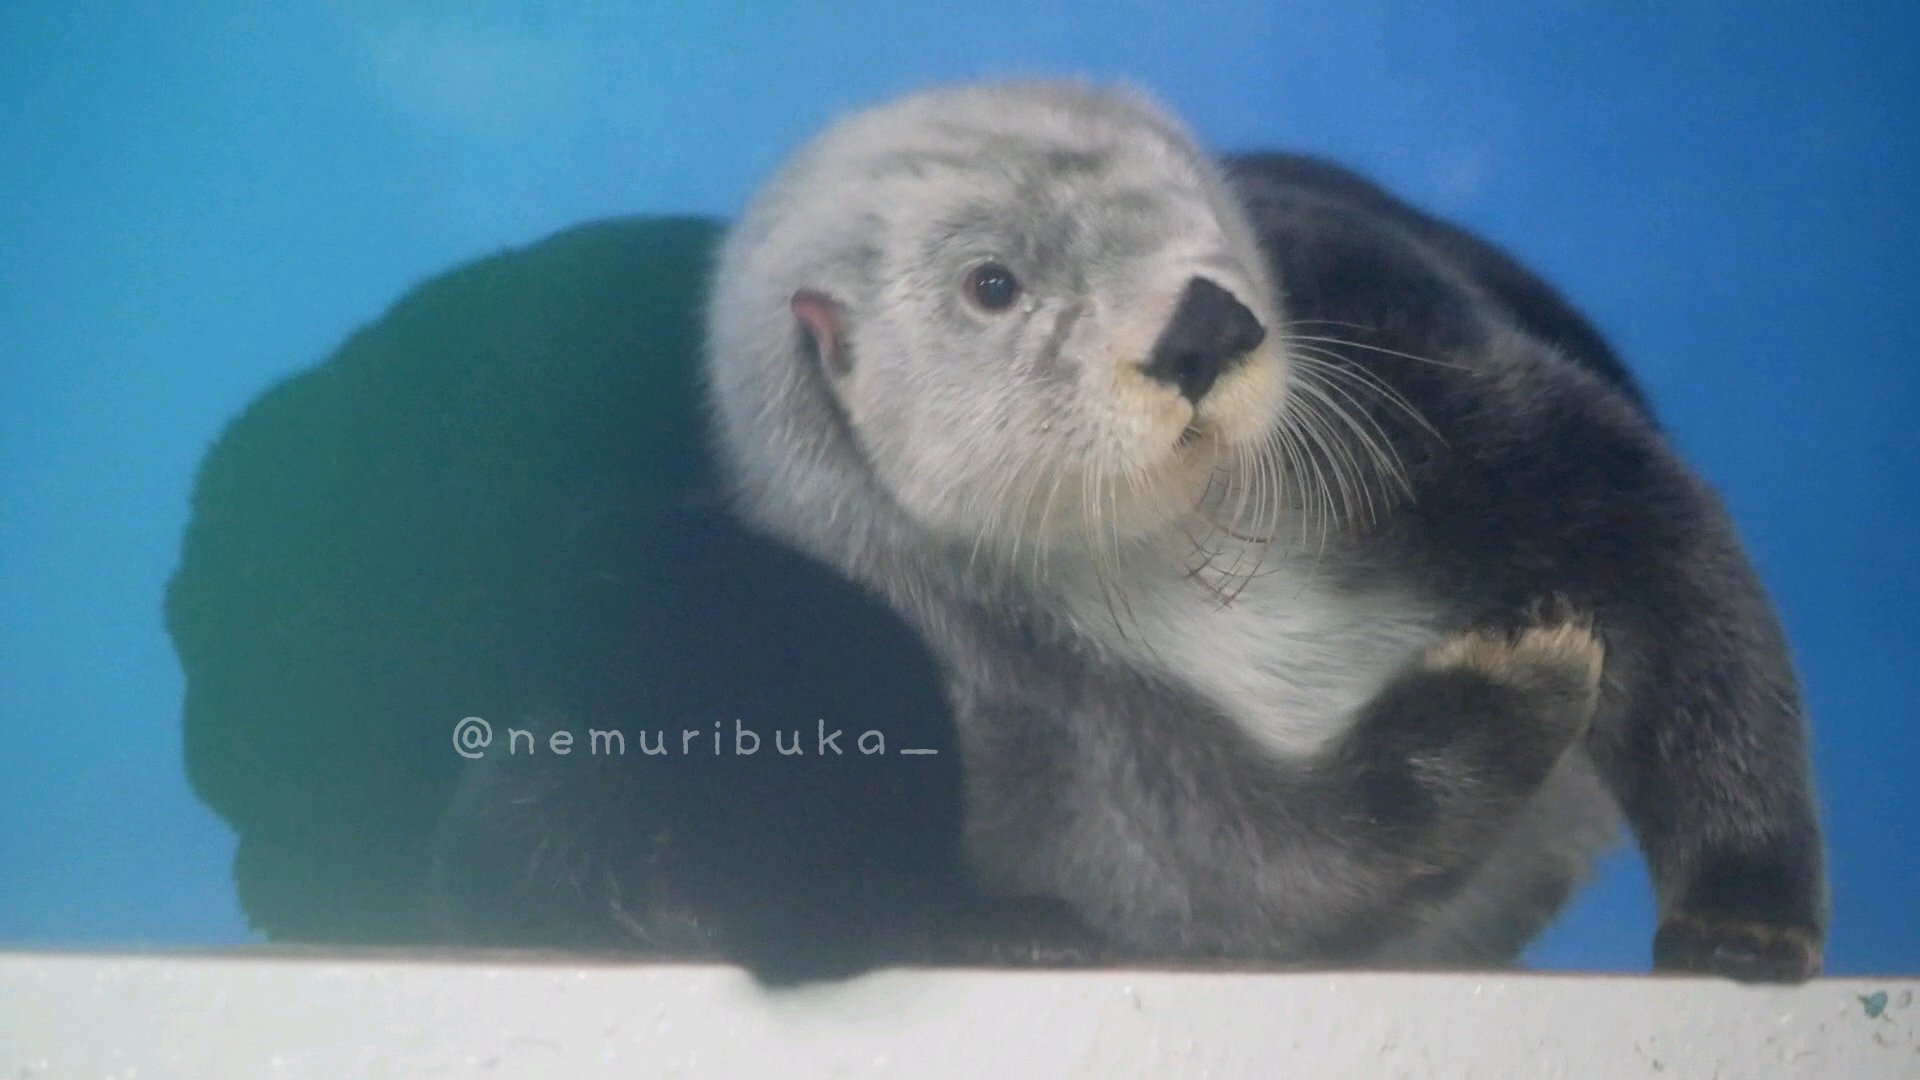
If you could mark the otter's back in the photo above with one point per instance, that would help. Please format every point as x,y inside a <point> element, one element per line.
<point>1287,188</point>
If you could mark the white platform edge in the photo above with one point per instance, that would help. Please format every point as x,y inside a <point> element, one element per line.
<point>140,1016</point>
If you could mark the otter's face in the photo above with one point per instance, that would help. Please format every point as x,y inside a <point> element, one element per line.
<point>1045,344</point>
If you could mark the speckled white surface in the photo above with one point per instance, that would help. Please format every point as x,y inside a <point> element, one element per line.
<point>338,1016</point>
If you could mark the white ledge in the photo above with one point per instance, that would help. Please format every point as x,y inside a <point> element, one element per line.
<point>336,1015</point>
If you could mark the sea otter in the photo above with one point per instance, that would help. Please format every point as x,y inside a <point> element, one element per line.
<point>1311,583</point>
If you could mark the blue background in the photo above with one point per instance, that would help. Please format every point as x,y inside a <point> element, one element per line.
<point>197,199</point>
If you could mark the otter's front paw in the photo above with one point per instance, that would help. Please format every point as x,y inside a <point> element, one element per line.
<point>1547,667</point>
<point>1736,948</point>
<point>1449,751</point>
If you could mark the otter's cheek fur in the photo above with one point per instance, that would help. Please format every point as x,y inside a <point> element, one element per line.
<point>1105,454</point>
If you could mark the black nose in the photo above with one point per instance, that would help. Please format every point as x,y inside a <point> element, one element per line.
<point>1210,334</point>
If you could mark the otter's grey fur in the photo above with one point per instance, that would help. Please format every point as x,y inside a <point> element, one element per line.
<point>1311,582</point>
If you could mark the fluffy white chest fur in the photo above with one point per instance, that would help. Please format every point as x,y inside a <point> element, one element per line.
<point>1290,659</point>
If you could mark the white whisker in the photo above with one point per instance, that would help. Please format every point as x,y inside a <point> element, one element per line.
<point>1379,349</point>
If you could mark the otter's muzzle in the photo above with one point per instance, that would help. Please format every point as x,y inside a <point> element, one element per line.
<point>1210,335</point>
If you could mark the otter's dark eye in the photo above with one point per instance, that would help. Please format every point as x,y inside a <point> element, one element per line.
<point>992,287</point>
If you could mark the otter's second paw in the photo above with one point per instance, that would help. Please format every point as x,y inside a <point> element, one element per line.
<point>1737,949</point>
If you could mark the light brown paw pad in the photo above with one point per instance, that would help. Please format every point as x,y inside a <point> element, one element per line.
<point>1567,649</point>
<point>1739,949</point>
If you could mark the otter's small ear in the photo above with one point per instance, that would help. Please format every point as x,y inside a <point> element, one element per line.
<point>820,317</point>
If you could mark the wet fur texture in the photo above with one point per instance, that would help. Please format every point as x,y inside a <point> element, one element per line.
<point>1358,659</point>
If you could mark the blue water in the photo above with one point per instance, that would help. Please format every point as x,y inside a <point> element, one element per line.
<point>198,199</point>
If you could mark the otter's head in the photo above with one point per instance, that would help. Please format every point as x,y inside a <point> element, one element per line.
<point>1018,314</point>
